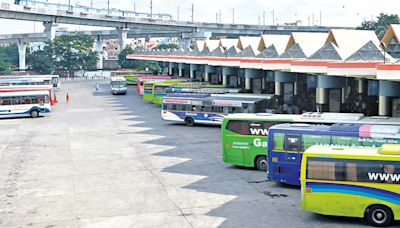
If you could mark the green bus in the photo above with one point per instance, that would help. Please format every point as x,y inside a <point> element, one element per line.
<point>131,75</point>
<point>352,182</point>
<point>245,135</point>
<point>148,88</point>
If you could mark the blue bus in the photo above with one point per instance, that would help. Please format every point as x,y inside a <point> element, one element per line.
<point>287,142</point>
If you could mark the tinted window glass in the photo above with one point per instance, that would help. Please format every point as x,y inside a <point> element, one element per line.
<point>292,142</point>
<point>238,126</point>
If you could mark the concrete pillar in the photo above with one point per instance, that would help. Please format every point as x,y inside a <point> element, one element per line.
<point>181,68</point>
<point>321,96</point>
<point>247,83</point>
<point>278,88</point>
<point>122,37</point>
<point>99,50</point>
<point>224,80</point>
<point>206,77</point>
<point>171,69</point>
<point>22,55</point>
<point>192,70</point>
<point>383,109</point>
<point>50,30</point>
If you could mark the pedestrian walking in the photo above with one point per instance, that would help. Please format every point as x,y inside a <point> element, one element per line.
<point>67,98</point>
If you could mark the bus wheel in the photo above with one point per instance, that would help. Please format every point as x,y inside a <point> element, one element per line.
<point>189,121</point>
<point>379,216</point>
<point>262,163</point>
<point>34,113</point>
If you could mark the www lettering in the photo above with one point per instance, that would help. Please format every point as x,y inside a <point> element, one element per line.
<point>258,131</point>
<point>384,177</point>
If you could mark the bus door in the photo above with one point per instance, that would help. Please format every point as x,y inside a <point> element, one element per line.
<point>292,147</point>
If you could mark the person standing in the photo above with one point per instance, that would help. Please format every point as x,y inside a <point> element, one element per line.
<point>67,98</point>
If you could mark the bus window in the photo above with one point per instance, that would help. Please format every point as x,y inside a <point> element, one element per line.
<point>292,142</point>
<point>278,140</point>
<point>321,170</point>
<point>216,109</point>
<point>238,126</point>
<point>310,140</point>
<point>207,109</point>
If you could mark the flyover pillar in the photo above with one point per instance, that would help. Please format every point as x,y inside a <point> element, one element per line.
<point>22,55</point>
<point>99,50</point>
<point>122,37</point>
<point>50,30</point>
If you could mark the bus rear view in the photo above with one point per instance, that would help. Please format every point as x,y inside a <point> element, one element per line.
<point>361,182</point>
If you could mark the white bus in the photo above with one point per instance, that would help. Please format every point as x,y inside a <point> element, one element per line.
<point>118,85</point>
<point>53,80</point>
<point>206,109</point>
<point>30,103</point>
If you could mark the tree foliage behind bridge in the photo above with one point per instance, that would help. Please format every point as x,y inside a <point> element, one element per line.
<point>65,54</point>
<point>136,64</point>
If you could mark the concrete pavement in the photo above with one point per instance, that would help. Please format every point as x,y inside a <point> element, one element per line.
<point>110,161</point>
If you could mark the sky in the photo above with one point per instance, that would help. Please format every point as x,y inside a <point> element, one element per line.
<point>347,13</point>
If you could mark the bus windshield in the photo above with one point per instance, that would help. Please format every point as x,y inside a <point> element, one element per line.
<point>118,84</point>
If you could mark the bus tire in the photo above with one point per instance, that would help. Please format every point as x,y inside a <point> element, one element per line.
<point>261,163</point>
<point>378,216</point>
<point>34,113</point>
<point>189,121</point>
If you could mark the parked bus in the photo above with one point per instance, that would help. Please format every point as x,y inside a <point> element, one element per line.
<point>148,88</point>
<point>208,110</point>
<point>118,85</point>
<point>24,82</point>
<point>352,182</point>
<point>52,95</point>
<point>24,103</point>
<point>53,80</point>
<point>288,141</point>
<point>245,135</point>
<point>161,90</point>
<point>156,78</point>
<point>131,75</point>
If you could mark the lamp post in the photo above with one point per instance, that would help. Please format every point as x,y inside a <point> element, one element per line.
<point>384,47</point>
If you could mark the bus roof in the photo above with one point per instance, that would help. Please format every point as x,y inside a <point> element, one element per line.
<point>117,78</point>
<point>210,98</point>
<point>333,151</point>
<point>25,93</point>
<point>316,117</point>
<point>245,95</point>
<point>141,77</point>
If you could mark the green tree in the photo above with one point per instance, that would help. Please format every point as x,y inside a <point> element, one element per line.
<point>72,53</point>
<point>10,52</point>
<point>381,24</point>
<point>41,61</point>
<point>65,53</point>
<point>136,64</point>
<point>167,46</point>
<point>5,66</point>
